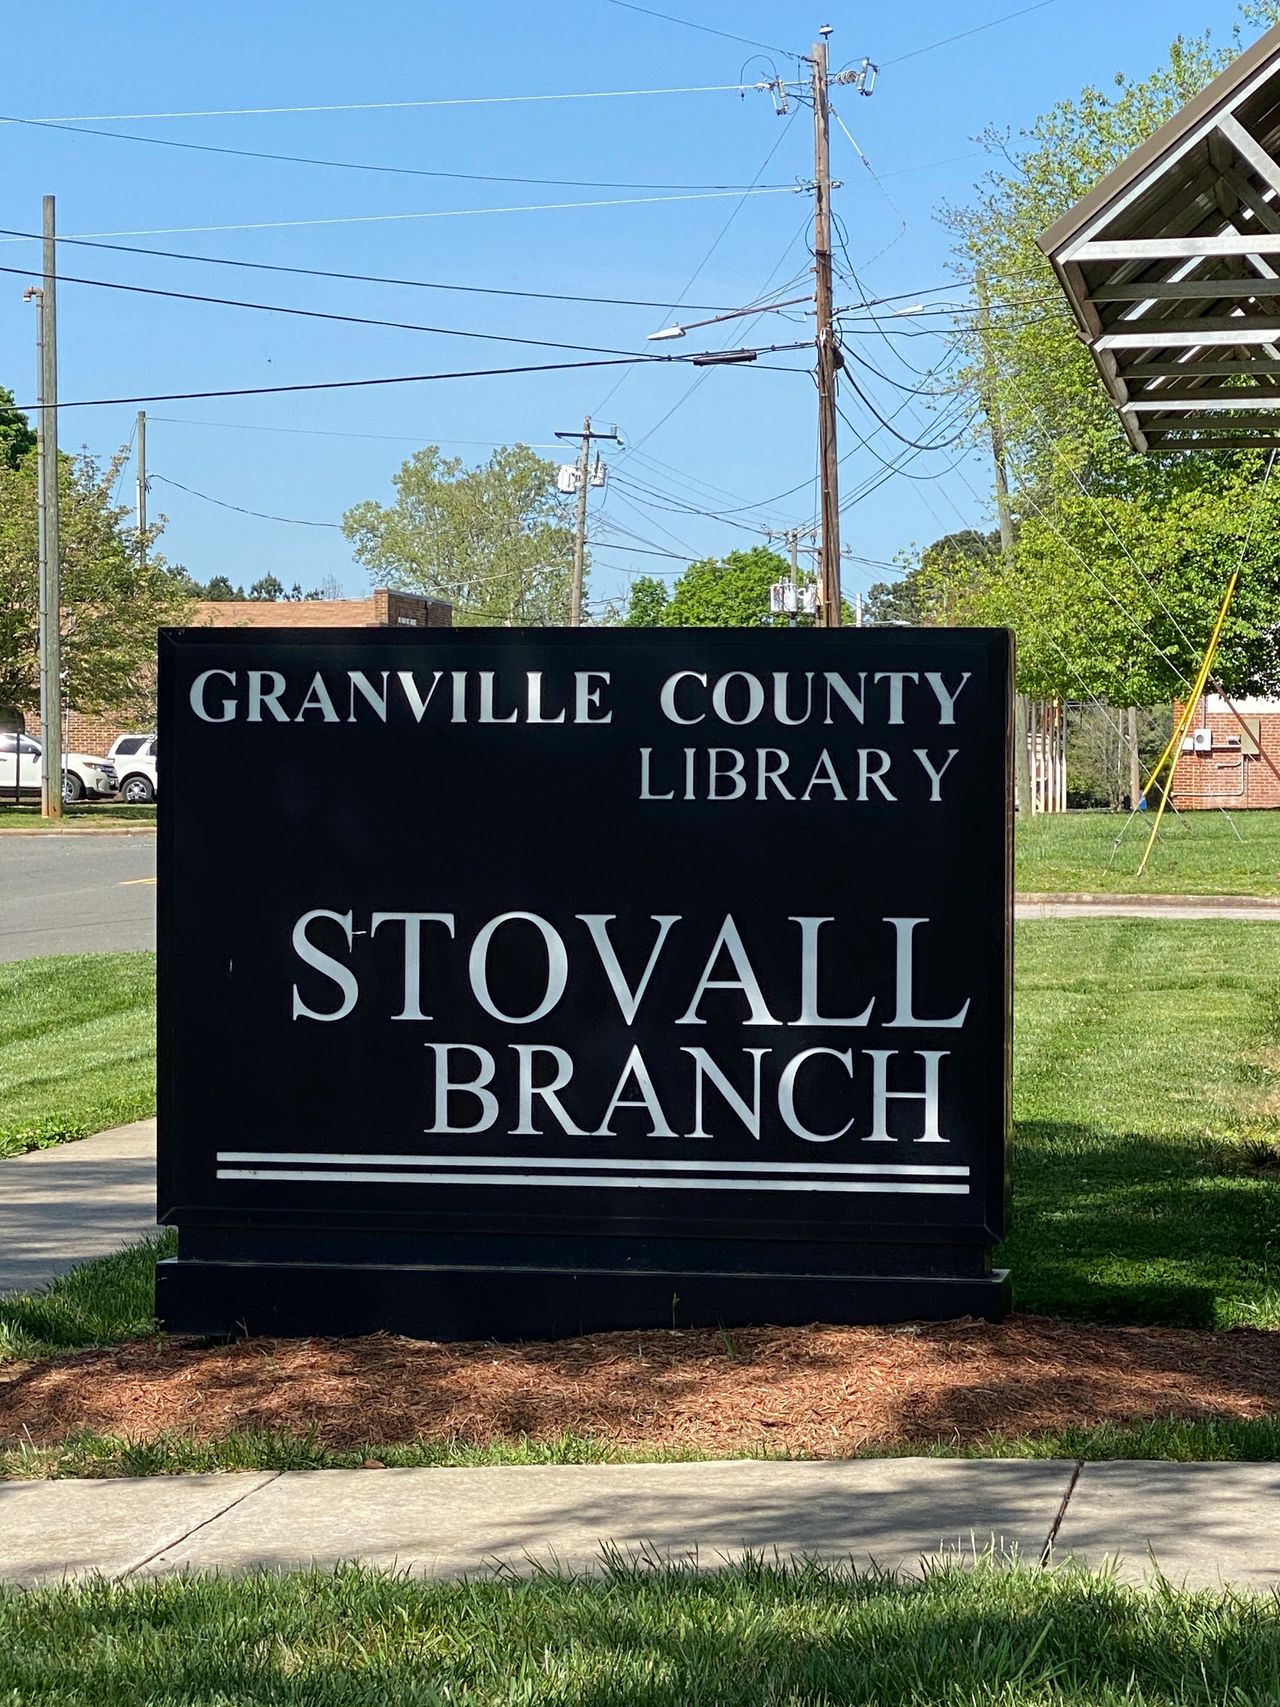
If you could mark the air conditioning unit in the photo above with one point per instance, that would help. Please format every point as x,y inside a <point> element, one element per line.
<point>1202,740</point>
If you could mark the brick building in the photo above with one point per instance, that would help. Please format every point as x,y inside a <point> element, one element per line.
<point>382,609</point>
<point>1222,763</point>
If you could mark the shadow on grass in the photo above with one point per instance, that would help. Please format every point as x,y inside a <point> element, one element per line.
<point>1127,1227</point>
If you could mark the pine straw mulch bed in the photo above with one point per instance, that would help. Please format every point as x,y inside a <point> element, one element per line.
<point>812,1392</point>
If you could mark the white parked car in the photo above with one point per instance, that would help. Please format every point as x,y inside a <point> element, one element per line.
<point>83,776</point>
<point>125,746</point>
<point>135,769</point>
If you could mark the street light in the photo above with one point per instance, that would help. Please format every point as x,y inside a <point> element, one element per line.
<point>734,314</point>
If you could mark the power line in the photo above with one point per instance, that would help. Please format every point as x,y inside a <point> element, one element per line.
<point>393,379</point>
<point>345,319</point>
<point>361,278</point>
<point>293,521</point>
<point>715,244</point>
<point>685,23</point>
<point>398,106</point>
<point>356,165</point>
<point>439,213</point>
<point>365,278</point>
<point>964,35</point>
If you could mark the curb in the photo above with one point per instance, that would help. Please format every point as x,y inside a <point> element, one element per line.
<point>88,830</point>
<point>1259,903</point>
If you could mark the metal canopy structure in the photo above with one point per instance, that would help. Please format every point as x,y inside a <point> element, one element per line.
<point>1167,262</point>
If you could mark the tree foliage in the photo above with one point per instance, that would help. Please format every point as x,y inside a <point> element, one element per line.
<point>726,592</point>
<point>16,435</point>
<point>116,591</point>
<point>493,540</point>
<point>269,589</point>
<point>935,589</point>
<point>1119,561</point>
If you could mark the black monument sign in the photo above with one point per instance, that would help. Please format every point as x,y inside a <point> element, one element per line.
<point>517,983</point>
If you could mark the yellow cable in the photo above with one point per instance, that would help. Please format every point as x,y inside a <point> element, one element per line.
<point>1189,711</point>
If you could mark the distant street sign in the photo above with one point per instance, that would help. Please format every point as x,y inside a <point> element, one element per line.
<point>566,980</point>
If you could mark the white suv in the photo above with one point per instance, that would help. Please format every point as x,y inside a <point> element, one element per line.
<point>82,775</point>
<point>136,769</point>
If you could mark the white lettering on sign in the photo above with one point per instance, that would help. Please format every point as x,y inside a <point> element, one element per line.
<point>839,703</point>
<point>820,996</point>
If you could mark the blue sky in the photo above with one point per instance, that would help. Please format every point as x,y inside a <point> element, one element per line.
<point>696,439</point>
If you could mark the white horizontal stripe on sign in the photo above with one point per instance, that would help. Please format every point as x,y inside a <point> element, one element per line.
<point>824,1168</point>
<point>373,1176</point>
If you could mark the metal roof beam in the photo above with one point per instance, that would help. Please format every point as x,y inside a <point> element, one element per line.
<point>1182,290</point>
<point>1200,370</point>
<point>1267,423</point>
<point>1212,402</point>
<point>1227,441</point>
<point>1191,334</point>
<point>1250,151</point>
<point>1226,243</point>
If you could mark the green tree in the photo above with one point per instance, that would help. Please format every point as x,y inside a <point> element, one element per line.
<point>218,589</point>
<point>934,588</point>
<point>727,592</point>
<point>16,435</point>
<point>116,591</point>
<point>269,590</point>
<point>493,540</point>
<point>1119,560</point>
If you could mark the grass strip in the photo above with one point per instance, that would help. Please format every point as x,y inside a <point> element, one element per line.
<point>1199,853</point>
<point>640,1635</point>
<point>99,1303</point>
<point>1226,1440</point>
<point>110,815</point>
<point>77,1047</point>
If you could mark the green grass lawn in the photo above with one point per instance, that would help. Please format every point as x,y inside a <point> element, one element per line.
<point>77,1046</point>
<point>108,814</point>
<point>1147,1080</point>
<point>1195,854</point>
<point>758,1635</point>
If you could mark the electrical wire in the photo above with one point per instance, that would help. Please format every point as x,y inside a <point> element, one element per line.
<point>964,35</point>
<point>345,319</point>
<point>393,379</point>
<point>357,165</point>
<point>912,444</point>
<point>361,278</point>
<point>439,213</point>
<point>397,106</point>
<point>716,242</point>
<point>293,521</point>
<point>667,18</point>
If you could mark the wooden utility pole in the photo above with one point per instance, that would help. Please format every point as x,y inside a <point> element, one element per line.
<point>990,398</point>
<point>50,596</point>
<point>580,531</point>
<point>141,465</point>
<point>1135,767</point>
<point>828,349</point>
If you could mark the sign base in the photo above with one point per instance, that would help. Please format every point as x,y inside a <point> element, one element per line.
<point>473,1303</point>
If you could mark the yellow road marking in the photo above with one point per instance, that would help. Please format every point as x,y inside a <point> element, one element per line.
<point>131,882</point>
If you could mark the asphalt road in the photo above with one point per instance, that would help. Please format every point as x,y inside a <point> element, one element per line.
<point>78,894</point>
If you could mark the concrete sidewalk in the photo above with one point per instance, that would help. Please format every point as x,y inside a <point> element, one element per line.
<point>1028,907</point>
<point>61,1206</point>
<point>1205,1525</point>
